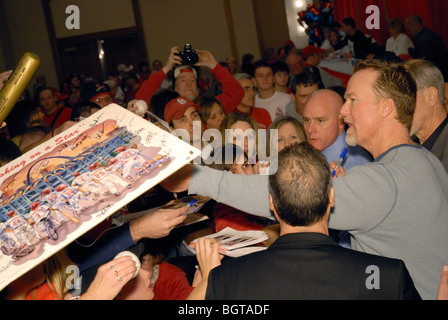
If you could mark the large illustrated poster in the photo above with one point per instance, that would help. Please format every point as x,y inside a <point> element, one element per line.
<point>61,189</point>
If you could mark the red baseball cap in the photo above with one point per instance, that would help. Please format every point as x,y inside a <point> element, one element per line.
<point>311,50</point>
<point>176,108</point>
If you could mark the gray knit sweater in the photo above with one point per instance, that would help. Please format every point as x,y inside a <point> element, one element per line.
<point>396,206</point>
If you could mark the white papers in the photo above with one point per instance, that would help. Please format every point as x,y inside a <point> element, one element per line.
<point>236,243</point>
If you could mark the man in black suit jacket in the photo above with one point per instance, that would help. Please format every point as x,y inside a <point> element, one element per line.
<point>304,262</point>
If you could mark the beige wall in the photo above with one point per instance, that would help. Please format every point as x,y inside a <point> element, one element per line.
<point>272,23</point>
<point>173,23</point>
<point>165,24</point>
<point>28,32</point>
<point>245,28</point>
<point>96,16</point>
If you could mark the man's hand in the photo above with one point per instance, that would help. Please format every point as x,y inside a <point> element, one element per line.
<point>157,224</point>
<point>3,77</point>
<point>206,59</point>
<point>442,293</point>
<point>135,108</point>
<point>173,60</point>
<point>340,171</point>
<point>131,106</point>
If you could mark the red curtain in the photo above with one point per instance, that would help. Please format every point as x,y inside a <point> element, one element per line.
<point>432,12</point>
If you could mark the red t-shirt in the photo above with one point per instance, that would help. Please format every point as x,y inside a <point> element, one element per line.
<point>42,292</point>
<point>261,117</point>
<point>172,283</point>
<point>63,117</point>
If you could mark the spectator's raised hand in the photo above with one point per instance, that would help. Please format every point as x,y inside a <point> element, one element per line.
<point>206,59</point>
<point>173,60</point>
<point>3,77</point>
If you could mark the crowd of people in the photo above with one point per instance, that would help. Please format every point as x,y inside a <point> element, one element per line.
<point>290,123</point>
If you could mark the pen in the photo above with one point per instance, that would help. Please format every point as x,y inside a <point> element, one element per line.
<point>341,158</point>
<point>190,204</point>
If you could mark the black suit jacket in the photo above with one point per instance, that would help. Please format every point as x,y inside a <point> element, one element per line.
<point>430,46</point>
<point>310,266</point>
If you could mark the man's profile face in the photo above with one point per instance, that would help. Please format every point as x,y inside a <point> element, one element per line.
<point>361,109</point>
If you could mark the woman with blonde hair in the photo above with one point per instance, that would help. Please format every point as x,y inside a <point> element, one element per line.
<point>290,130</point>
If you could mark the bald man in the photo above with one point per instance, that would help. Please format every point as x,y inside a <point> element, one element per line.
<point>325,129</point>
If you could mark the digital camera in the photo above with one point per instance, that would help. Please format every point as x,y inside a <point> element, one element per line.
<point>189,55</point>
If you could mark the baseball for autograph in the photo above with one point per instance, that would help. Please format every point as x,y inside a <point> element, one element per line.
<point>133,256</point>
<point>142,107</point>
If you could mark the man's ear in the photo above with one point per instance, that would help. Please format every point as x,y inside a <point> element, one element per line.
<point>432,95</point>
<point>387,107</point>
<point>331,197</point>
<point>271,206</point>
<point>271,203</point>
<point>341,124</point>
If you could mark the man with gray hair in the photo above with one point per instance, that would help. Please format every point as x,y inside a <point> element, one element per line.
<point>429,124</point>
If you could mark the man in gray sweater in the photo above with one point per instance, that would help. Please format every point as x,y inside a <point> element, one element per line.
<point>396,206</point>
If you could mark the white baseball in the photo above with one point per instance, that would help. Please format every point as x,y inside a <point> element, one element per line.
<point>133,256</point>
<point>142,107</point>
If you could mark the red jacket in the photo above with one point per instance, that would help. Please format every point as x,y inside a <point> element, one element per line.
<point>231,95</point>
